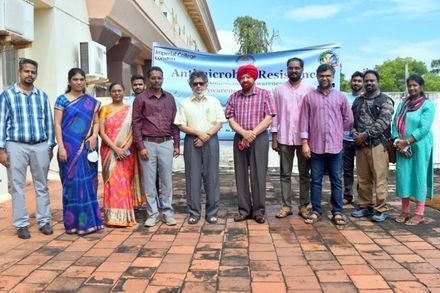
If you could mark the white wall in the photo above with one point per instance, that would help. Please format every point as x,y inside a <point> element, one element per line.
<point>57,33</point>
<point>184,22</point>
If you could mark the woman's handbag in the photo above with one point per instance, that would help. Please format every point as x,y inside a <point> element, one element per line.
<point>391,151</point>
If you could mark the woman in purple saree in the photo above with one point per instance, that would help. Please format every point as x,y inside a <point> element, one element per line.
<point>76,130</point>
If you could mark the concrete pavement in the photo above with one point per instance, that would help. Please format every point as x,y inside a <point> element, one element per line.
<point>282,255</point>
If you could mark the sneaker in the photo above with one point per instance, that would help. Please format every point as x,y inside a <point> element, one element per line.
<point>46,229</point>
<point>379,217</point>
<point>23,233</point>
<point>365,212</point>
<point>150,222</point>
<point>170,221</point>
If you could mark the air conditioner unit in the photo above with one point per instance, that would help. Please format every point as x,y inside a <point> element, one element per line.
<point>17,20</point>
<point>93,60</point>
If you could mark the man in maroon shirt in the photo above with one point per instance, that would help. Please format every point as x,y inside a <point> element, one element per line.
<point>157,141</point>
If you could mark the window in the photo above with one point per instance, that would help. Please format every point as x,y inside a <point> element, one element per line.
<point>8,67</point>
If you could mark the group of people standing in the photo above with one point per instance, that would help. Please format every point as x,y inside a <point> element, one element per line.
<point>328,130</point>
<point>324,127</point>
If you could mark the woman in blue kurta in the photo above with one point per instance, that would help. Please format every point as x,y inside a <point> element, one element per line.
<point>414,142</point>
<point>76,130</point>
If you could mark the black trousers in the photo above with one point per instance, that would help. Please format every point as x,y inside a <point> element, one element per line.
<point>349,154</point>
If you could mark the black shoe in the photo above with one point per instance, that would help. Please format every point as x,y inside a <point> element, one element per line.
<point>23,233</point>
<point>240,218</point>
<point>193,220</point>
<point>212,219</point>
<point>346,201</point>
<point>259,219</point>
<point>46,229</point>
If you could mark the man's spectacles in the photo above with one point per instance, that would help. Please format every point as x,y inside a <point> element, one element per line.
<point>198,83</point>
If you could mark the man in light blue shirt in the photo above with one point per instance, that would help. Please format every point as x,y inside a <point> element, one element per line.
<point>27,139</point>
<point>356,84</point>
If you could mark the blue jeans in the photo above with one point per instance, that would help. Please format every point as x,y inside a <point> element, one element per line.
<point>333,164</point>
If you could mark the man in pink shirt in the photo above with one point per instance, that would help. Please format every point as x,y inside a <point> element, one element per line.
<point>286,140</point>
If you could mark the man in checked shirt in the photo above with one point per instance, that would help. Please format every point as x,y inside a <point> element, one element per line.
<point>325,115</point>
<point>249,112</point>
<point>27,139</point>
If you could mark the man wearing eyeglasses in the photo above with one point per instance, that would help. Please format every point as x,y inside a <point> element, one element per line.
<point>249,112</point>
<point>201,117</point>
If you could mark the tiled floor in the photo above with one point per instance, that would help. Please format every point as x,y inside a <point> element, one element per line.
<point>284,255</point>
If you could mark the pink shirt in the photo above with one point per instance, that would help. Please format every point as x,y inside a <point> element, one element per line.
<point>287,102</point>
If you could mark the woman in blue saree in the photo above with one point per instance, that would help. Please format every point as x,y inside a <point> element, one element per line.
<point>76,130</point>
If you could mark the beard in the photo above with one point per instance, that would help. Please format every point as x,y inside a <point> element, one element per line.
<point>294,77</point>
<point>370,89</point>
<point>28,81</point>
<point>325,85</point>
<point>356,88</point>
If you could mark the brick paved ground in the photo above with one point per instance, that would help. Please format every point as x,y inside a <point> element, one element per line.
<point>279,256</point>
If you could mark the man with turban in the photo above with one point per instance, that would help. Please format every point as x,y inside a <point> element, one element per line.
<point>249,112</point>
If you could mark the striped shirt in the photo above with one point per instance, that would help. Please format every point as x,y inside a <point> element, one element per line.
<point>323,120</point>
<point>25,118</point>
<point>250,110</point>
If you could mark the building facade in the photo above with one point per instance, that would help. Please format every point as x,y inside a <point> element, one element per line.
<point>117,37</point>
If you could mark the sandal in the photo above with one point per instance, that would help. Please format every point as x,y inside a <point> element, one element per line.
<point>193,220</point>
<point>304,212</point>
<point>212,220</point>
<point>340,219</point>
<point>312,218</point>
<point>284,212</point>
<point>415,220</point>
<point>402,218</point>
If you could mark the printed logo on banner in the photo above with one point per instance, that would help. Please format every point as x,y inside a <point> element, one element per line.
<point>329,57</point>
<point>245,59</point>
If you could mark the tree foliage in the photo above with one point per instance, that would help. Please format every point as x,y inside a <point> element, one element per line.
<point>345,84</point>
<point>432,82</point>
<point>252,35</point>
<point>392,73</point>
<point>435,66</point>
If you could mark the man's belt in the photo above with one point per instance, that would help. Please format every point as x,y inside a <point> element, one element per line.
<point>30,142</point>
<point>157,139</point>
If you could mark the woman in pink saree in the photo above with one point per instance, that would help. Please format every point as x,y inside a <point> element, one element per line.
<point>119,162</point>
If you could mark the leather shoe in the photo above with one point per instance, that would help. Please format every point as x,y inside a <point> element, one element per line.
<point>212,220</point>
<point>240,218</point>
<point>23,233</point>
<point>259,219</point>
<point>46,229</point>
